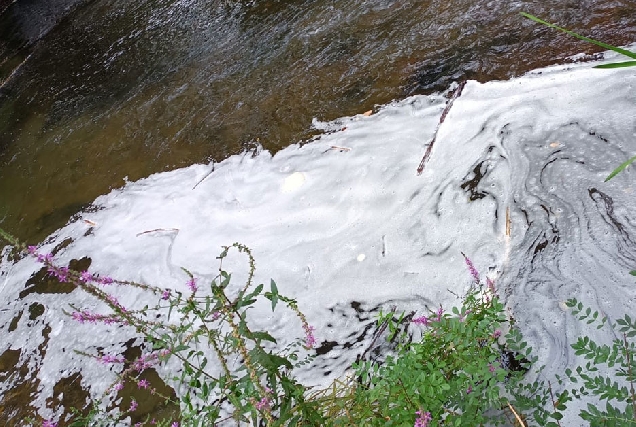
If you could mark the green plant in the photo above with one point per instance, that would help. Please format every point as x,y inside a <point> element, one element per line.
<point>250,379</point>
<point>465,367</point>
<point>616,390</point>
<point>452,373</point>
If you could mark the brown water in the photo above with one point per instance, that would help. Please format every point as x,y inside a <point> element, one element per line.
<point>124,89</point>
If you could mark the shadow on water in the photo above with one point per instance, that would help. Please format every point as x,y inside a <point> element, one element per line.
<point>109,89</point>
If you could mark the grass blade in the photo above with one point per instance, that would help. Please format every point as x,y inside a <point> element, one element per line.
<point>620,168</point>
<point>578,36</point>
<point>617,64</point>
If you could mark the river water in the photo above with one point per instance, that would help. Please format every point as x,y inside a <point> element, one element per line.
<point>94,92</point>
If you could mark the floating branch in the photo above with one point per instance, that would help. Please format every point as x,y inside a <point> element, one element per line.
<point>456,94</point>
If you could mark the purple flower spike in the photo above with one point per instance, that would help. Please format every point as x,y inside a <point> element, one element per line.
<point>133,406</point>
<point>48,423</point>
<point>46,259</point>
<point>263,404</point>
<point>165,294</point>
<point>192,284</point>
<point>491,285</point>
<point>471,268</point>
<point>421,320</point>
<point>108,358</point>
<point>85,276</point>
<point>310,340</point>
<point>33,250</point>
<point>143,384</point>
<point>423,418</point>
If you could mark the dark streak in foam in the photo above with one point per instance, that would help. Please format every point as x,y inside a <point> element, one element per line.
<point>598,196</point>
<point>440,253</point>
<point>470,185</point>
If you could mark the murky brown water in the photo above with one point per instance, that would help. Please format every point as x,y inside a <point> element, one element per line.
<point>124,89</point>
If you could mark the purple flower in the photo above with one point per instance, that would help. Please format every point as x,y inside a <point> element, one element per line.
<point>192,284</point>
<point>496,334</point>
<point>143,384</point>
<point>119,386</point>
<point>45,258</point>
<point>469,390</point>
<point>421,320</point>
<point>471,268</point>
<point>85,316</point>
<point>48,423</point>
<point>174,424</point>
<point>310,340</point>
<point>491,285</point>
<point>216,315</point>
<point>61,273</point>
<point>491,368</point>
<point>85,276</point>
<point>133,406</point>
<point>165,294</point>
<point>138,424</point>
<point>423,418</point>
<point>439,313</point>
<point>105,280</point>
<point>263,404</point>
<point>33,250</point>
<point>107,358</point>
<point>114,301</point>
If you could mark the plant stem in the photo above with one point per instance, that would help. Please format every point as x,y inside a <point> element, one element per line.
<point>631,375</point>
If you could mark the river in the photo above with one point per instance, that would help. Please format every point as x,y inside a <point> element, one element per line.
<point>96,92</point>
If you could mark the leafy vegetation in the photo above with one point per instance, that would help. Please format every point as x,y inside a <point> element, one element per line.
<point>461,367</point>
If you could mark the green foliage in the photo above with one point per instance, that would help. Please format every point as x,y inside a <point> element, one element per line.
<point>621,167</point>
<point>456,372</point>
<point>454,368</point>
<point>616,389</point>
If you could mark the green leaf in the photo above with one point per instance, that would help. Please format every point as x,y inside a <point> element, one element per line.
<point>578,36</point>
<point>633,272</point>
<point>620,168</point>
<point>263,336</point>
<point>617,65</point>
<point>274,290</point>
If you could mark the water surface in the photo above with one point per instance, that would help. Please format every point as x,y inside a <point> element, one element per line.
<point>112,89</point>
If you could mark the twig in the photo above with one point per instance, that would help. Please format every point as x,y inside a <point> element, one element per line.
<point>553,402</point>
<point>508,228</point>
<point>516,415</point>
<point>456,94</point>
<point>379,332</point>
<point>157,229</point>
<point>206,175</point>
<point>336,147</point>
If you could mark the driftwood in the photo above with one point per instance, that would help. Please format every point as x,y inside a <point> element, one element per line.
<point>456,94</point>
